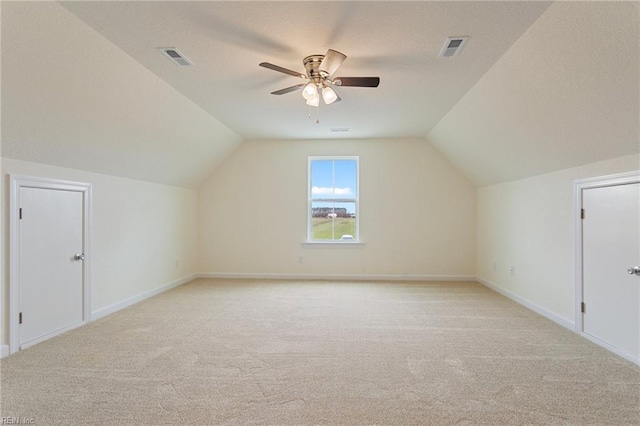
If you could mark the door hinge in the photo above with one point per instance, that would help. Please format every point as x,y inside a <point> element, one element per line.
<point>20,213</point>
<point>583,308</point>
<point>581,213</point>
<point>20,318</point>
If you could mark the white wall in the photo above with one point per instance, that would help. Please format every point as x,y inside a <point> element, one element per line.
<point>417,212</point>
<point>144,234</point>
<point>530,224</point>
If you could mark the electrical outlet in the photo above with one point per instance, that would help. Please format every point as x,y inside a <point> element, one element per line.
<point>300,259</point>
<point>494,266</point>
<point>177,264</point>
<point>512,270</point>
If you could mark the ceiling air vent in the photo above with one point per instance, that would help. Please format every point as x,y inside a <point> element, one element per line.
<point>177,57</point>
<point>452,46</point>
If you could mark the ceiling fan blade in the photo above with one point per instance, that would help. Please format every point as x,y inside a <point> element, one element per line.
<point>332,61</point>
<point>288,89</point>
<point>282,70</point>
<point>357,81</point>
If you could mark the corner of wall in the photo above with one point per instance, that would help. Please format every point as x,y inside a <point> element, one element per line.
<point>529,225</point>
<point>529,305</point>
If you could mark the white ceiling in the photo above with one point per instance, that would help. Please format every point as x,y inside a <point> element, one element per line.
<point>70,98</point>
<point>566,94</point>
<point>397,41</point>
<point>538,87</point>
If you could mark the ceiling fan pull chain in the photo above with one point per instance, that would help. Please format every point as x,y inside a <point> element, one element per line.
<point>317,114</point>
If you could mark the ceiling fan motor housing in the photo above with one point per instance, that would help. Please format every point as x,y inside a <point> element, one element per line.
<point>312,66</point>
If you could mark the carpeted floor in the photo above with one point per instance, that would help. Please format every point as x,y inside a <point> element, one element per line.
<point>352,353</point>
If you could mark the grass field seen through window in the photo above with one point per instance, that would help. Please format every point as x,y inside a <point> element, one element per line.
<point>332,229</point>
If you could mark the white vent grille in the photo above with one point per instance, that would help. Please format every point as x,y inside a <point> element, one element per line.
<point>339,129</point>
<point>177,57</point>
<point>452,46</point>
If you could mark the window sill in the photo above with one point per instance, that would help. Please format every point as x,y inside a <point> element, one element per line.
<point>333,244</point>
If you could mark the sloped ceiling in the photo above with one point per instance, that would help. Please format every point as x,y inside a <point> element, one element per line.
<point>535,89</point>
<point>85,86</point>
<point>567,93</point>
<point>71,98</point>
<point>398,41</point>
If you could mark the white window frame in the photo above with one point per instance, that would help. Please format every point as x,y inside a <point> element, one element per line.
<point>310,200</point>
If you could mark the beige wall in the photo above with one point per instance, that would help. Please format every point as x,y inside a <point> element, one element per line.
<point>144,234</point>
<point>417,212</point>
<point>530,224</point>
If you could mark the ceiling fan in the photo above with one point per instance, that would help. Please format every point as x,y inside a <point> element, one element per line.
<point>319,72</point>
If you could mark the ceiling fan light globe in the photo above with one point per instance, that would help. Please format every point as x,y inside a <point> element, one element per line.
<point>310,91</point>
<point>314,101</point>
<point>329,95</point>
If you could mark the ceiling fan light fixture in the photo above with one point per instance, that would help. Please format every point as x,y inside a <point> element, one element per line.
<point>314,101</point>
<point>329,95</point>
<point>310,91</point>
<point>319,78</point>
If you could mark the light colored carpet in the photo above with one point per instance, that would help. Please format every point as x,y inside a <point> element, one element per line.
<point>352,353</point>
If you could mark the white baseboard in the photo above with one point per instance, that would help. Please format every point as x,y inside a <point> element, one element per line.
<point>611,348</point>
<point>4,351</point>
<point>102,312</point>
<point>337,277</point>
<point>51,335</point>
<point>530,305</point>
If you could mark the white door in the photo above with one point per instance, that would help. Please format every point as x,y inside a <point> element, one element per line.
<point>51,279</point>
<point>611,245</point>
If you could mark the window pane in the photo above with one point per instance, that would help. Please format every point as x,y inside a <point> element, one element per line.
<point>333,221</point>
<point>333,179</point>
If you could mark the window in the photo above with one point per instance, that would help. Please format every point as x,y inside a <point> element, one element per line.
<point>333,199</point>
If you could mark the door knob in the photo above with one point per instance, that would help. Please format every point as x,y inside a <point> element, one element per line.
<point>80,256</point>
<point>634,271</point>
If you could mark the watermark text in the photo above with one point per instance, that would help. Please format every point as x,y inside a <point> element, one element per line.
<point>17,421</point>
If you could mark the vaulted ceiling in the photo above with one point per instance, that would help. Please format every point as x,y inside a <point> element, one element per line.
<point>399,42</point>
<point>537,87</point>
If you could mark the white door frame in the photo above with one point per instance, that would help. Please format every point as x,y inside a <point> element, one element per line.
<point>15,183</point>
<point>578,187</point>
